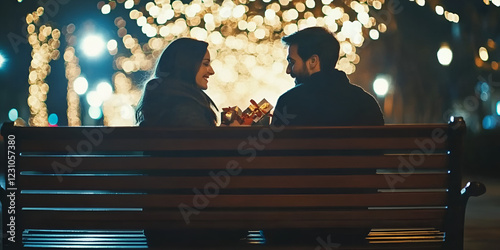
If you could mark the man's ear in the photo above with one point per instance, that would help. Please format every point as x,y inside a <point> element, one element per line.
<point>313,64</point>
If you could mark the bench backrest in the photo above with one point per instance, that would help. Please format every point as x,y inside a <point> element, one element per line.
<point>393,176</point>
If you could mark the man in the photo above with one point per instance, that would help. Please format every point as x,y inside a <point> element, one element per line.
<point>323,96</point>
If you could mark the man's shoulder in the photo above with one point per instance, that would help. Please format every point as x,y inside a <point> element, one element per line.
<point>358,90</point>
<point>293,92</point>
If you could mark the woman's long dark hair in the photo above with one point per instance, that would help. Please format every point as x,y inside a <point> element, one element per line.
<point>180,61</point>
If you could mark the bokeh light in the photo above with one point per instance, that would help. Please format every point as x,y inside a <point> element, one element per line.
<point>94,99</point>
<point>489,122</point>
<point>129,4</point>
<point>53,119</point>
<point>80,85</point>
<point>13,114</point>
<point>112,46</point>
<point>445,55</point>
<point>498,108</point>
<point>2,60</point>
<point>381,85</point>
<point>73,70</point>
<point>483,54</point>
<point>439,10</point>
<point>127,112</point>
<point>95,112</point>
<point>93,45</point>
<point>374,34</point>
<point>44,40</point>
<point>106,9</point>
<point>104,90</point>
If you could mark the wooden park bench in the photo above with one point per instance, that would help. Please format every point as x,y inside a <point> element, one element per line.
<point>157,188</point>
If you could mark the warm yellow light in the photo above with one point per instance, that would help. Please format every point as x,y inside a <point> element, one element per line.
<point>363,17</point>
<point>260,33</point>
<point>439,10</point>
<point>381,85</point>
<point>112,44</point>
<point>374,34</point>
<point>199,33</point>
<point>40,11</point>
<point>106,9</point>
<point>276,7</point>
<point>483,54</point>
<point>346,47</point>
<point>29,18</point>
<point>129,4</point>
<point>290,29</point>
<point>452,17</point>
<point>445,55</point>
<point>337,13</point>
<point>225,12</point>
<point>270,14</point>
<point>292,14</point>
<point>300,7</point>
<point>164,31</point>
<point>239,11</point>
<point>310,4</point>
<point>494,65</point>
<point>479,63</point>
<point>141,21</point>
<point>491,44</point>
<point>382,27</point>
<point>285,2</point>
<point>134,14</point>
<point>251,26</point>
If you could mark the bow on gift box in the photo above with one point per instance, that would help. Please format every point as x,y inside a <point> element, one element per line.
<point>231,115</point>
<point>255,113</point>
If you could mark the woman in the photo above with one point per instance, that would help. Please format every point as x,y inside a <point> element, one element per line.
<point>175,96</point>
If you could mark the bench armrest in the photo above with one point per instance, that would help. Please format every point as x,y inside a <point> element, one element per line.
<point>456,218</point>
<point>473,188</point>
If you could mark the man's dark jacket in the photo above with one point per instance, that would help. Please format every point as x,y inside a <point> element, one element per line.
<point>328,99</point>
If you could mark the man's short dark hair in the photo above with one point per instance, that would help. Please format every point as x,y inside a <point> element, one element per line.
<point>315,41</point>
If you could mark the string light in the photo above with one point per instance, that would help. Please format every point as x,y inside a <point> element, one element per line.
<point>44,41</point>
<point>237,32</point>
<point>73,72</point>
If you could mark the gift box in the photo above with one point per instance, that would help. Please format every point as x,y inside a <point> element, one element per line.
<point>255,114</point>
<point>231,115</point>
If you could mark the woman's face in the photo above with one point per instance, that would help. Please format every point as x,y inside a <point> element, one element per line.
<point>204,72</point>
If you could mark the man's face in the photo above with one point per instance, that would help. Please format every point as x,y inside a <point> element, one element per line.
<point>296,66</point>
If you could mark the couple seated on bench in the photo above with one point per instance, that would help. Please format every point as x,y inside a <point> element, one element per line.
<point>323,96</point>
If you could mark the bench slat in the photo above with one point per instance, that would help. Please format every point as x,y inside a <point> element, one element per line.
<point>381,181</point>
<point>241,201</point>
<point>45,164</point>
<point>232,219</point>
<point>62,145</point>
<point>95,132</point>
